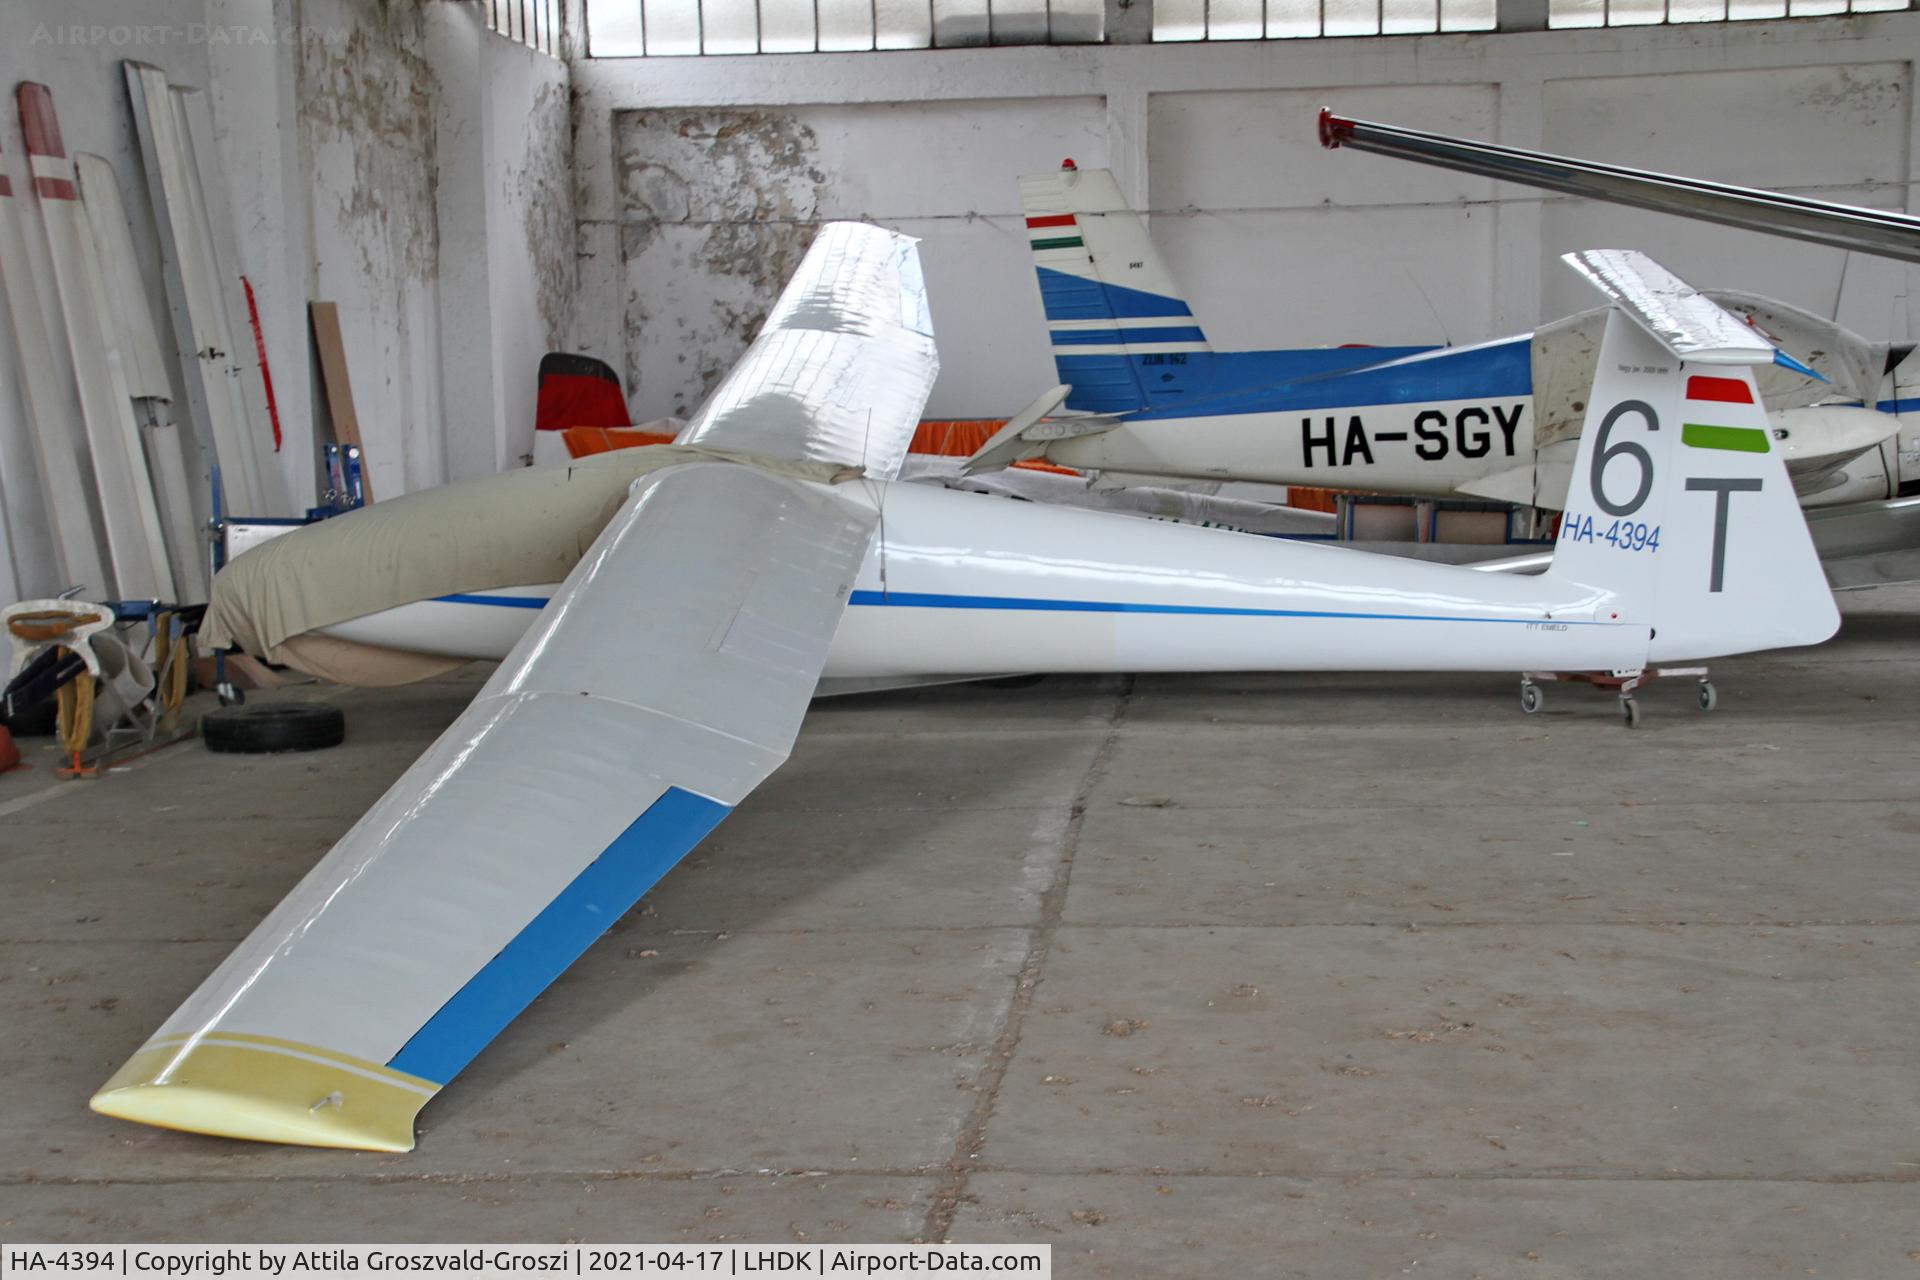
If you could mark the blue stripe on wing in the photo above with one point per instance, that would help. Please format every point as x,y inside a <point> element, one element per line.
<point>505,602</point>
<point>559,935</point>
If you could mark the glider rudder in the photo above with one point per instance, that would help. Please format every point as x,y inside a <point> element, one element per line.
<point>1680,507</point>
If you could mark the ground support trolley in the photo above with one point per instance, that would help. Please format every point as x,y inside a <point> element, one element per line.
<point>1623,683</point>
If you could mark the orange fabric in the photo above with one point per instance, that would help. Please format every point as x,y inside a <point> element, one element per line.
<point>1041,464</point>
<point>956,438</point>
<point>1310,499</point>
<point>945,439</point>
<point>582,441</point>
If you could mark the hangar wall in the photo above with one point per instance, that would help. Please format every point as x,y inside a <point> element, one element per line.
<point>396,158</point>
<point>682,163</point>
<point>413,168</point>
<point>92,106</point>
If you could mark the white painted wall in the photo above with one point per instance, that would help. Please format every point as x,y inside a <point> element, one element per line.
<point>717,207</point>
<point>506,134</point>
<point>1278,241</point>
<point>368,100</point>
<point>391,156</point>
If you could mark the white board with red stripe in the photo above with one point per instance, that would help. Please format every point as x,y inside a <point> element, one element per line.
<point>56,432</point>
<point>128,512</point>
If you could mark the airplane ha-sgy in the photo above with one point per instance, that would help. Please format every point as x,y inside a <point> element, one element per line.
<point>1146,394</point>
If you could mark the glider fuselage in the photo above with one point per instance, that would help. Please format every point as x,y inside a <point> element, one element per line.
<point>961,583</point>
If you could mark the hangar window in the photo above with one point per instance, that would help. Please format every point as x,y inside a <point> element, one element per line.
<point>1293,19</point>
<point>1640,13</point>
<point>534,23</point>
<point>635,28</point>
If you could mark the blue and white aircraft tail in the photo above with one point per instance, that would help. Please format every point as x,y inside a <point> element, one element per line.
<point>1110,301</point>
<point>1146,394</point>
<point>1123,334</point>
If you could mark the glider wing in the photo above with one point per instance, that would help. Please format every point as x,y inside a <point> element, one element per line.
<point>578,777</point>
<point>842,368</point>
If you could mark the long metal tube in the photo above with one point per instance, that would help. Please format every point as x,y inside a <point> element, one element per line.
<point>1838,226</point>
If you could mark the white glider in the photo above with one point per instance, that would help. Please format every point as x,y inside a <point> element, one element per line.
<point>745,574</point>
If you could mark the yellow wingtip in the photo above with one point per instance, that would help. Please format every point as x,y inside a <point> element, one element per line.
<point>266,1090</point>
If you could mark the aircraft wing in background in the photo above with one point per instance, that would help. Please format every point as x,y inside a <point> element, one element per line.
<point>1839,226</point>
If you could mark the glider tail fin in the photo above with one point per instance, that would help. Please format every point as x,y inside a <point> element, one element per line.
<point>1680,508</point>
<point>1115,316</point>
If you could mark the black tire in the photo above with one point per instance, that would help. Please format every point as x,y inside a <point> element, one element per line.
<point>41,720</point>
<point>279,726</point>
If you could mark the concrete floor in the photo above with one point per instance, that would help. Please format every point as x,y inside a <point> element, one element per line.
<point>1285,975</point>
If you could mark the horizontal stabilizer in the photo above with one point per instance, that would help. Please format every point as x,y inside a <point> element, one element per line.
<point>1674,313</point>
<point>1009,445</point>
<point>1841,359</point>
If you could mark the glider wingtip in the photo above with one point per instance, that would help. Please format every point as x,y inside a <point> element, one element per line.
<point>1786,361</point>
<point>1334,129</point>
<point>267,1091</point>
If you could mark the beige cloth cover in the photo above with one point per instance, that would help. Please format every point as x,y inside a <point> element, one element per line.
<point>516,529</point>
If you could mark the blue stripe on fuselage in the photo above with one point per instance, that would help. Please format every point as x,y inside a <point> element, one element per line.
<point>1112,382</point>
<point>1129,337</point>
<point>1037,604</point>
<point>1281,381</point>
<point>935,600</point>
<point>1210,375</point>
<point>1068,297</point>
<point>606,890</point>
